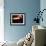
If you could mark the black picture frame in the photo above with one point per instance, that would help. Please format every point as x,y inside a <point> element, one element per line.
<point>17,19</point>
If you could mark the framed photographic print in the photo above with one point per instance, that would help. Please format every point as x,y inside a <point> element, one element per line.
<point>17,18</point>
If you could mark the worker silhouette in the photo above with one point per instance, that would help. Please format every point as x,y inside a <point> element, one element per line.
<point>37,19</point>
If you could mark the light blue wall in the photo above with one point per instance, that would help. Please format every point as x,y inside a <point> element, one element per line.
<point>43,6</point>
<point>29,7</point>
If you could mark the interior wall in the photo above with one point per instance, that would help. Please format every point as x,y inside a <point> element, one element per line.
<point>29,7</point>
<point>43,6</point>
<point>1,20</point>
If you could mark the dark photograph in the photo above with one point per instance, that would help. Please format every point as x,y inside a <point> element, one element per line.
<point>17,18</point>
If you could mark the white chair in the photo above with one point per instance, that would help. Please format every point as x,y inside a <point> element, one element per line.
<point>39,35</point>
